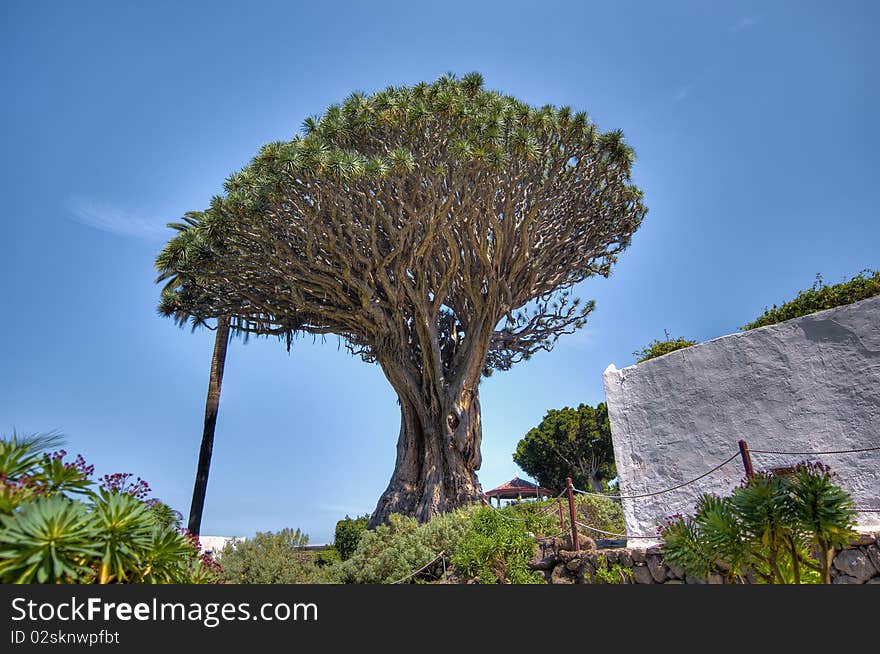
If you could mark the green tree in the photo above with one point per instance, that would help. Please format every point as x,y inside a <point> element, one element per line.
<point>437,230</point>
<point>572,443</point>
<point>348,535</point>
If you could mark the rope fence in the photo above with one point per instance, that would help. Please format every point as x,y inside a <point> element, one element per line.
<point>665,490</point>
<point>422,569</point>
<point>743,452</point>
<point>856,451</point>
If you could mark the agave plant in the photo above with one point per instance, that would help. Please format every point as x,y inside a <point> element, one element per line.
<point>770,526</point>
<point>56,527</point>
<point>124,527</point>
<point>49,540</point>
<point>825,511</point>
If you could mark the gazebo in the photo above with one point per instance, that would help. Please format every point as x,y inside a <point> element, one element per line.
<point>517,489</point>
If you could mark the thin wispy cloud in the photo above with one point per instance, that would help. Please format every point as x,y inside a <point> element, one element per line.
<point>683,92</point>
<point>744,23</point>
<point>109,218</point>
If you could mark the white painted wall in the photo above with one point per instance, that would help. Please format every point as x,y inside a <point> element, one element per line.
<point>808,384</point>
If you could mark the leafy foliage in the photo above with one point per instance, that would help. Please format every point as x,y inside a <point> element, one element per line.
<point>610,574</point>
<point>769,527</point>
<point>496,549</point>
<point>56,527</point>
<point>572,443</point>
<point>271,558</point>
<point>392,552</point>
<point>820,297</point>
<point>348,535</point>
<point>658,348</point>
<point>600,512</point>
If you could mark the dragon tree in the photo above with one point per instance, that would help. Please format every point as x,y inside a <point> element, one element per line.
<point>438,230</point>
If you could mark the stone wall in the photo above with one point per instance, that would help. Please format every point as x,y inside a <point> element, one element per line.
<point>804,385</point>
<point>857,564</point>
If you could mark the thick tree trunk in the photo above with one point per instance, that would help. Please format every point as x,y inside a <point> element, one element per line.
<point>438,454</point>
<point>212,406</point>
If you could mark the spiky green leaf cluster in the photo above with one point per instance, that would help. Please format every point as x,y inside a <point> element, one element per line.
<point>782,528</point>
<point>55,527</point>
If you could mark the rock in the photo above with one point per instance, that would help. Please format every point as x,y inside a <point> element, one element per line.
<point>673,581</point>
<point>688,579</point>
<point>638,556</point>
<point>866,538</point>
<point>546,563</point>
<point>845,579</point>
<point>560,575</point>
<point>566,555</point>
<point>656,567</point>
<point>586,543</point>
<point>716,578</point>
<point>875,580</point>
<point>574,565</point>
<point>611,556</point>
<point>873,554</point>
<point>675,570</point>
<point>854,563</point>
<point>641,575</point>
<point>625,559</point>
<point>654,549</point>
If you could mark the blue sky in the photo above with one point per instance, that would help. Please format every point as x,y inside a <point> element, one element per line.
<point>754,123</point>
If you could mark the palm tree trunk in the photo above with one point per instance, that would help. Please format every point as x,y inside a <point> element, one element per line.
<point>218,361</point>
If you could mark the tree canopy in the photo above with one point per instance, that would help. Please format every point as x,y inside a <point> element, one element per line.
<point>572,443</point>
<point>437,229</point>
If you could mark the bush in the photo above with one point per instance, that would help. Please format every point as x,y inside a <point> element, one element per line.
<point>273,558</point>
<point>348,535</point>
<point>392,552</point>
<point>820,297</point>
<point>658,348</point>
<point>600,512</point>
<point>496,549</point>
<point>57,527</point>
<point>771,527</point>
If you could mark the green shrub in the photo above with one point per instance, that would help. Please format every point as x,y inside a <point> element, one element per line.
<point>348,535</point>
<point>658,348</point>
<point>820,297</point>
<point>771,526</point>
<point>57,527</point>
<point>273,558</point>
<point>392,552</point>
<point>496,549</point>
<point>611,574</point>
<point>600,512</point>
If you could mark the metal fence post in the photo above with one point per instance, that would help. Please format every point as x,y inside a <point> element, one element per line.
<point>575,544</point>
<point>746,459</point>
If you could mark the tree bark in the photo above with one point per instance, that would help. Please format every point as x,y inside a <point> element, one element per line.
<point>438,454</point>
<point>212,406</point>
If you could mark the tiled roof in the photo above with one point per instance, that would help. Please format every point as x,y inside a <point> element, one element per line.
<point>516,486</point>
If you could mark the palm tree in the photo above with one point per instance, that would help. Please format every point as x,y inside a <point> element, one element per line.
<point>171,262</point>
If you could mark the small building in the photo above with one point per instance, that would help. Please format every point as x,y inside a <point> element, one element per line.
<point>517,489</point>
